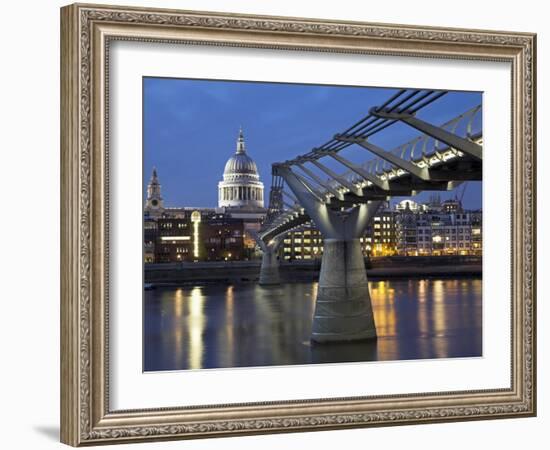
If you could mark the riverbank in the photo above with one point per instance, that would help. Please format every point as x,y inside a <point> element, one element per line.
<point>232,272</point>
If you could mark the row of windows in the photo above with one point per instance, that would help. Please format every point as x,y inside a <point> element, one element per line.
<point>298,257</point>
<point>460,245</point>
<point>167,250</point>
<point>439,239</point>
<point>216,240</point>
<point>305,249</point>
<point>298,234</point>
<point>170,225</point>
<point>439,232</point>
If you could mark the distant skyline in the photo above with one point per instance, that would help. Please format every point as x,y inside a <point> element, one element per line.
<point>190,129</point>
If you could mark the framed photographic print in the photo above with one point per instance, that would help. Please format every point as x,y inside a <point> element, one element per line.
<point>275,224</point>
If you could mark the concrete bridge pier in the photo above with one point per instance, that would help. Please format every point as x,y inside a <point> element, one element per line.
<point>343,309</point>
<point>269,271</point>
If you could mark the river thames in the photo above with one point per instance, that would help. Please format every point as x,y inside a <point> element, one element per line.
<point>246,325</point>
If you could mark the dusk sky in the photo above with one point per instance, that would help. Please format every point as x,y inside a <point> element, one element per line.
<point>190,128</point>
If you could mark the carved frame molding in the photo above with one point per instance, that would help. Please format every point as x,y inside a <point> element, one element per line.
<point>86,31</point>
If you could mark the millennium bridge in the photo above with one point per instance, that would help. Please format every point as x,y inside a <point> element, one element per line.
<point>341,202</point>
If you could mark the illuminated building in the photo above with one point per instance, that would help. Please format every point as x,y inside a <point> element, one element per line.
<point>443,229</point>
<point>406,232</point>
<point>379,239</point>
<point>174,240</point>
<point>306,243</point>
<point>407,205</point>
<point>451,206</point>
<point>149,239</point>
<point>223,239</point>
<point>476,233</point>
<point>199,236</point>
<point>410,229</point>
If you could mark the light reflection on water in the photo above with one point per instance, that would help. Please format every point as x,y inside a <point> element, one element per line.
<point>216,326</point>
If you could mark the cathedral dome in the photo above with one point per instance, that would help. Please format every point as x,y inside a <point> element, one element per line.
<point>240,164</point>
<point>241,186</point>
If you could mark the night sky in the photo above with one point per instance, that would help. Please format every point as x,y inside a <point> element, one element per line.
<point>190,129</point>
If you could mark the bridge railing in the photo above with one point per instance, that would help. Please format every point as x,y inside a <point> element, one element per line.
<point>420,150</point>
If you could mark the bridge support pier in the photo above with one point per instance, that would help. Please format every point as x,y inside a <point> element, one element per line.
<point>343,309</point>
<point>269,271</point>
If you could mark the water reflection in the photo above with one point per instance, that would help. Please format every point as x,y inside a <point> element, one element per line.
<point>196,322</point>
<point>215,326</point>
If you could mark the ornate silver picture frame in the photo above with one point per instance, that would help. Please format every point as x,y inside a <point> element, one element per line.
<point>87,33</point>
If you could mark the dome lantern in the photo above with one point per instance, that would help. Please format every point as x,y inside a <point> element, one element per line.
<point>240,142</point>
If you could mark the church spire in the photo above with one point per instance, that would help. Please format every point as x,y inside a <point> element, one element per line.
<point>240,142</point>
<point>153,203</point>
